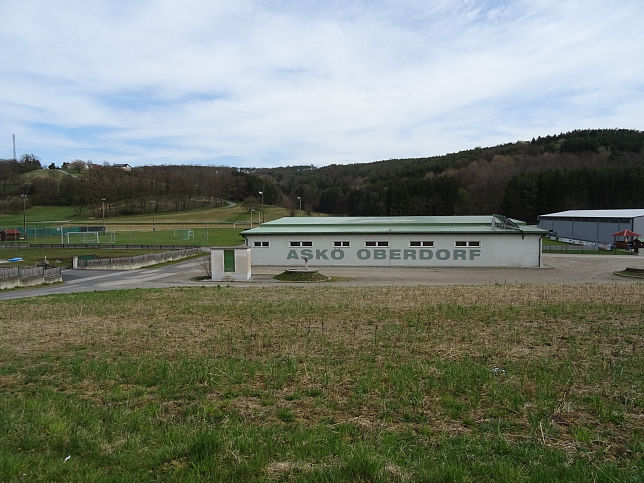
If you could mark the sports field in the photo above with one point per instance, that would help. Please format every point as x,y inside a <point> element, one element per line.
<point>204,227</point>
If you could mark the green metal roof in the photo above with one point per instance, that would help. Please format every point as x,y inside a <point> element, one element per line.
<point>392,225</point>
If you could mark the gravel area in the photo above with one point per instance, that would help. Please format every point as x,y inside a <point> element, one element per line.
<point>556,269</point>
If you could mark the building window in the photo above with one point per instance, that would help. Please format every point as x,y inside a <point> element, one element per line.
<point>421,243</point>
<point>470,244</point>
<point>260,244</point>
<point>341,244</point>
<point>376,244</point>
<point>301,243</point>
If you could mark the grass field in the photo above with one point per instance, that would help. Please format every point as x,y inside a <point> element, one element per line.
<point>510,383</point>
<point>39,214</point>
<point>54,215</point>
<point>162,236</point>
<point>61,257</point>
<point>206,227</point>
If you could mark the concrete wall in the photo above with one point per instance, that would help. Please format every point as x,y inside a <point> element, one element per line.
<point>28,277</point>
<point>242,264</point>
<point>132,263</point>
<point>495,250</point>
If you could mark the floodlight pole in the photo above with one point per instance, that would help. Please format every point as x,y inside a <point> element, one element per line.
<point>153,203</point>
<point>262,209</point>
<point>24,214</point>
<point>300,198</point>
<point>251,217</point>
<point>103,209</point>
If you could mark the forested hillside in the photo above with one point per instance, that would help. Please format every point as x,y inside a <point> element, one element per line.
<point>126,192</point>
<point>590,169</point>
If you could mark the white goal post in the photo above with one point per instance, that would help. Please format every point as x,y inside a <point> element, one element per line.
<point>185,233</point>
<point>83,237</point>
<point>110,235</point>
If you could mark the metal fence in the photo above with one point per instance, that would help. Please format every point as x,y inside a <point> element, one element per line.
<point>96,246</point>
<point>572,249</point>
<point>44,231</point>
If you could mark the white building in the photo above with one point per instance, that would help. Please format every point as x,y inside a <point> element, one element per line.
<point>594,226</point>
<point>422,241</point>
<point>230,263</point>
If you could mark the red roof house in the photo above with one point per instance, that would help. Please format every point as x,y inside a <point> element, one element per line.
<point>9,235</point>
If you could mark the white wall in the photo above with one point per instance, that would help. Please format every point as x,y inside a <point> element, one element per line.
<point>496,250</point>
<point>638,225</point>
<point>242,264</point>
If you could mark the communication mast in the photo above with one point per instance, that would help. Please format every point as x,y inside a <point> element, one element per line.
<point>14,146</point>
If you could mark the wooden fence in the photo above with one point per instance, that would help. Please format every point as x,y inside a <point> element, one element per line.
<point>28,277</point>
<point>131,263</point>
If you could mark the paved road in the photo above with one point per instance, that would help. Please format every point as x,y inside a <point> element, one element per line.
<point>179,274</point>
<point>556,269</point>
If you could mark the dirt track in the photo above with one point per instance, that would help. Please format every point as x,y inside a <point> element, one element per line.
<point>556,269</point>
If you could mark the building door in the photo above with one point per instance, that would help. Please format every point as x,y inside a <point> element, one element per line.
<point>229,260</point>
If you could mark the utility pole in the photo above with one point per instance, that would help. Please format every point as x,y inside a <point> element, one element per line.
<point>14,147</point>
<point>103,206</point>
<point>24,214</point>
<point>154,204</point>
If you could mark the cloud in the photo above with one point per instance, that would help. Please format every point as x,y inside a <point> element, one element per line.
<point>277,82</point>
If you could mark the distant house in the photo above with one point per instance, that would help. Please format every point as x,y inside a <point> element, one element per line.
<point>77,166</point>
<point>124,167</point>
<point>9,235</point>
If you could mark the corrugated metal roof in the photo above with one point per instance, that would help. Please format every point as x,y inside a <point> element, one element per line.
<point>628,213</point>
<point>384,225</point>
<point>380,220</point>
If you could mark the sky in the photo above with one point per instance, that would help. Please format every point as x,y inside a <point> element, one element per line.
<point>252,83</point>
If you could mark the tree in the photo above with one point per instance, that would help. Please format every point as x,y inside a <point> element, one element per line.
<point>8,169</point>
<point>45,189</point>
<point>250,203</point>
<point>28,162</point>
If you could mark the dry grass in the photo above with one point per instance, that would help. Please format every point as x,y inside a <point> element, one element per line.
<point>510,318</point>
<point>412,360</point>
